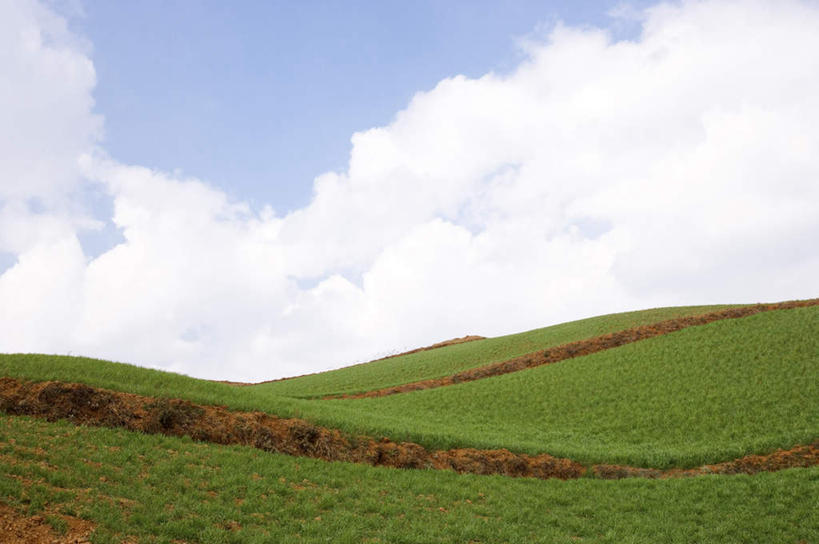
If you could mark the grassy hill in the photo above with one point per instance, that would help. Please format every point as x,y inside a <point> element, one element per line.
<point>152,488</point>
<point>704,394</point>
<point>699,395</point>
<point>451,359</point>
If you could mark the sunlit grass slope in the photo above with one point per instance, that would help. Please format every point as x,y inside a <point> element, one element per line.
<point>703,394</point>
<point>141,381</point>
<point>269,397</point>
<point>155,489</point>
<point>449,360</point>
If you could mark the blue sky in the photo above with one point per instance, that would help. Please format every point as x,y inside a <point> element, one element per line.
<point>258,98</point>
<point>247,191</point>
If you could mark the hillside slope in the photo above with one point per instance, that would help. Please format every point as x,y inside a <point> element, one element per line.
<point>456,358</point>
<point>700,395</point>
<point>132,487</point>
<point>703,394</point>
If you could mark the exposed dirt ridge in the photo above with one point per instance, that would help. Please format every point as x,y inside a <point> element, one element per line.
<point>578,348</point>
<point>445,343</point>
<point>87,405</point>
<point>16,528</point>
<point>451,342</point>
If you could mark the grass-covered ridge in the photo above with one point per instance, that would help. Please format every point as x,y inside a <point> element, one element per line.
<point>155,489</point>
<point>705,394</point>
<point>142,381</point>
<point>452,359</point>
<point>699,395</point>
<point>272,397</point>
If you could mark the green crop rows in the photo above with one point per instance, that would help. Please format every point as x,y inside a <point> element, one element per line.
<point>266,397</point>
<point>700,395</point>
<point>451,359</point>
<point>155,489</point>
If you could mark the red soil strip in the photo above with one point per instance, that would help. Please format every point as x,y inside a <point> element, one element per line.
<point>796,457</point>
<point>16,528</point>
<point>85,405</point>
<point>445,343</point>
<point>452,342</point>
<point>578,348</point>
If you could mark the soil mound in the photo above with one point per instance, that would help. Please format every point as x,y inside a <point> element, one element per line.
<point>576,349</point>
<point>445,343</point>
<point>802,456</point>
<point>453,341</point>
<point>16,528</point>
<point>85,405</point>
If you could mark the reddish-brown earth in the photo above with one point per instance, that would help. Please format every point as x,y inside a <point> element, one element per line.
<point>82,404</point>
<point>576,349</point>
<point>802,456</point>
<point>16,528</point>
<point>451,342</point>
<point>445,343</point>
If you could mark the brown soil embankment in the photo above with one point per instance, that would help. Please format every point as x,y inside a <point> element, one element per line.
<point>445,343</point>
<point>576,349</point>
<point>86,405</point>
<point>16,528</point>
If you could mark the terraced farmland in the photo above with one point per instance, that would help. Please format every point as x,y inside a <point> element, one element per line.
<point>451,359</point>
<point>153,488</point>
<point>677,415</point>
<point>703,394</point>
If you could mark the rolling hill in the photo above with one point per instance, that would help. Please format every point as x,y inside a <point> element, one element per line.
<point>674,424</point>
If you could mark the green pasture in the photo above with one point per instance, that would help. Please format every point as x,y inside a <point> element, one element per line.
<point>156,489</point>
<point>449,360</point>
<point>703,394</point>
<point>700,395</point>
<point>273,397</point>
<point>142,381</point>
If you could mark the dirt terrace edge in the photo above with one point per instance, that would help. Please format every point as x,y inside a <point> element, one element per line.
<point>85,405</point>
<point>578,348</point>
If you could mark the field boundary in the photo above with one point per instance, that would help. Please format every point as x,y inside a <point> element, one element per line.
<point>577,349</point>
<point>85,405</point>
<point>19,528</point>
<point>443,344</point>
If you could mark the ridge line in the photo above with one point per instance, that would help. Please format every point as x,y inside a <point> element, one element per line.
<point>577,348</point>
<point>85,405</point>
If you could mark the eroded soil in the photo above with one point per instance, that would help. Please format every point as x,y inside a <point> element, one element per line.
<point>16,528</point>
<point>85,405</point>
<point>576,349</point>
<point>445,343</point>
<point>451,342</point>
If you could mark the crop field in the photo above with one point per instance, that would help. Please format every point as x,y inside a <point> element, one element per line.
<point>152,488</point>
<point>451,359</point>
<point>268,397</point>
<point>699,395</point>
<point>648,409</point>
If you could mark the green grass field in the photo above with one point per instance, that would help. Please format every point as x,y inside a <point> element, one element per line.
<point>274,398</point>
<point>160,490</point>
<point>452,359</point>
<point>700,395</point>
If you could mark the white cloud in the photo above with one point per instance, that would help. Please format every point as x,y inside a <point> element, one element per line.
<point>678,168</point>
<point>45,93</point>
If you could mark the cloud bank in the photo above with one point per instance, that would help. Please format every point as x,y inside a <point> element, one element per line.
<point>598,176</point>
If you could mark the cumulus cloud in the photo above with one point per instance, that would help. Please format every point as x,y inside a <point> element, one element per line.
<point>677,168</point>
